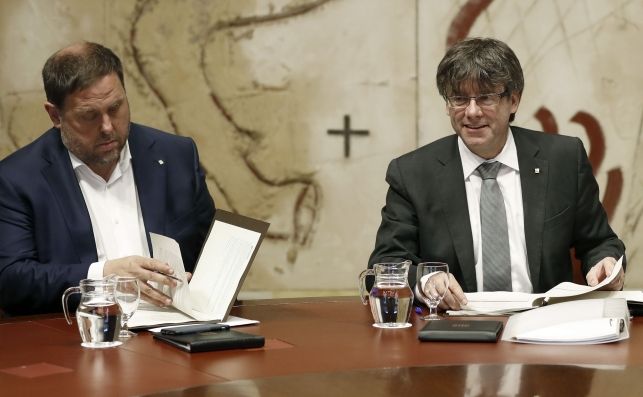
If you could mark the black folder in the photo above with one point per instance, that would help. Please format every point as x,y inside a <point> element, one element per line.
<point>636,308</point>
<point>210,341</point>
<point>461,331</point>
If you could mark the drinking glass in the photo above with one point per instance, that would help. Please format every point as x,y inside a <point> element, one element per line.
<point>435,287</point>
<point>128,295</point>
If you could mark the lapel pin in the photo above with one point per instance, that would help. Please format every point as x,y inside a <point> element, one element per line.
<point>161,162</point>
<point>536,170</point>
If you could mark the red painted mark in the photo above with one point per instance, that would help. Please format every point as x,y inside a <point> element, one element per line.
<point>596,154</point>
<point>613,191</point>
<point>595,135</point>
<point>547,120</point>
<point>465,19</point>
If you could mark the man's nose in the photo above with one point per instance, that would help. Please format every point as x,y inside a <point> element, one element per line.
<point>472,108</point>
<point>107,125</point>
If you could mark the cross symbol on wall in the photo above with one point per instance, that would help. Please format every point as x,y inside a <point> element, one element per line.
<point>347,132</point>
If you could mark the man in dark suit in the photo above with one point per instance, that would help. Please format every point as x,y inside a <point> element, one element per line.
<point>434,210</point>
<point>80,200</point>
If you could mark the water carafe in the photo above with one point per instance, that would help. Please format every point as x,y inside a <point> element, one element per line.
<point>98,315</point>
<point>390,298</point>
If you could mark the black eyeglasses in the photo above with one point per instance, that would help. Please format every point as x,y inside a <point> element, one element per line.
<point>482,100</point>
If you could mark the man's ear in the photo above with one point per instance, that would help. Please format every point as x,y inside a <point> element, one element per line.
<point>515,101</point>
<point>54,113</point>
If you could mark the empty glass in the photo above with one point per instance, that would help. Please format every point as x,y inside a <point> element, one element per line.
<point>128,295</point>
<point>435,286</point>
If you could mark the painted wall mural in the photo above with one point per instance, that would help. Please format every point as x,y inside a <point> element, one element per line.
<point>244,144</point>
<point>297,106</point>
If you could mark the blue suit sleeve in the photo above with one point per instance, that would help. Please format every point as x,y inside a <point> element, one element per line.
<point>29,282</point>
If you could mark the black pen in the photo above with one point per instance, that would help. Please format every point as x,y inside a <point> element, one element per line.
<point>194,329</point>
<point>168,275</point>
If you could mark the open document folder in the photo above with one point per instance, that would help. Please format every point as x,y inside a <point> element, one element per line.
<point>499,302</point>
<point>580,322</point>
<point>229,249</point>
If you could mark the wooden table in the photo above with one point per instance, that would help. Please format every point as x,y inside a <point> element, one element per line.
<point>317,346</point>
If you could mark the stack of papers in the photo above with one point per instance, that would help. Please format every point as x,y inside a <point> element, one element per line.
<point>581,322</point>
<point>501,303</point>
<point>231,245</point>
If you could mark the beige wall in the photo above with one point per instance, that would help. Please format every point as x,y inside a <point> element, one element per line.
<point>258,83</point>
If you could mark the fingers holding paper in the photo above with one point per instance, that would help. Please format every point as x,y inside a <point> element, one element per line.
<point>147,270</point>
<point>603,270</point>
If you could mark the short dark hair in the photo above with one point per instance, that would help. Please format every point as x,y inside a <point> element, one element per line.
<point>486,62</point>
<point>76,68</point>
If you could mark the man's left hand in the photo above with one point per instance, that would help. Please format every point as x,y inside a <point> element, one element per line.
<point>601,271</point>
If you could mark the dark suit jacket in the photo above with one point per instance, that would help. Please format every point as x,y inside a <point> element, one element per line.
<point>426,217</point>
<point>46,238</point>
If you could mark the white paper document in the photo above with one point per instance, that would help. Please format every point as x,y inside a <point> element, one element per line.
<point>500,302</point>
<point>588,321</point>
<point>232,321</point>
<point>224,261</point>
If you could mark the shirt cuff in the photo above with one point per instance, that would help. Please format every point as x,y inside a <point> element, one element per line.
<point>95,271</point>
<point>422,283</point>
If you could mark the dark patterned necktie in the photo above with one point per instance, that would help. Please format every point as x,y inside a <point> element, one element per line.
<point>496,265</point>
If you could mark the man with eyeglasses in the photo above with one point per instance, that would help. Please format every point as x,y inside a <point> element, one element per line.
<point>500,204</point>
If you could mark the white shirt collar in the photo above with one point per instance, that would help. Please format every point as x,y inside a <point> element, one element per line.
<point>508,156</point>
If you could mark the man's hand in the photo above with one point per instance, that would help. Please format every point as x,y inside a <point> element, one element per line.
<point>145,269</point>
<point>601,271</point>
<point>454,299</point>
<point>454,296</point>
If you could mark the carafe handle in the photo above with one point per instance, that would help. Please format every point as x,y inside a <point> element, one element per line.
<point>68,291</point>
<point>363,294</point>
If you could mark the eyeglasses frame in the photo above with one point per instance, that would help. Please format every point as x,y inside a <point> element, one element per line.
<point>504,93</point>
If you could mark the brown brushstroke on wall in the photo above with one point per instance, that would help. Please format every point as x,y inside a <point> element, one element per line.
<point>596,136</point>
<point>464,20</point>
<point>309,198</point>
<point>547,120</point>
<point>596,139</point>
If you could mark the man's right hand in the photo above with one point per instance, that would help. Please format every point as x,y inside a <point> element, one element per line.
<point>145,269</point>
<point>454,299</point>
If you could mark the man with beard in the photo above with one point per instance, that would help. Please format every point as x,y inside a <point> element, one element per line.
<point>80,201</point>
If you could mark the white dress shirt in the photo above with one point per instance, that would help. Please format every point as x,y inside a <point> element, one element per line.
<point>114,210</point>
<point>509,182</point>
